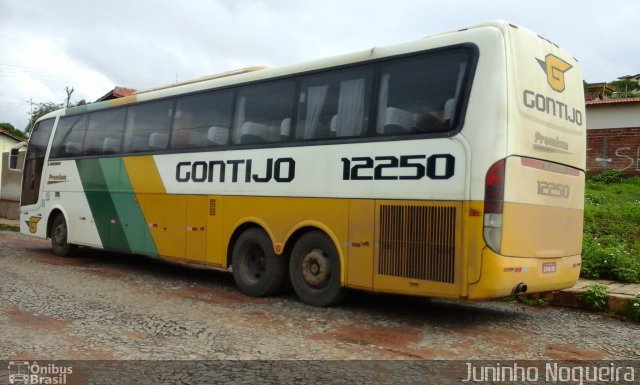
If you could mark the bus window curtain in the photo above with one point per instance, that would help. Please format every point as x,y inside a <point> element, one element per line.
<point>350,108</point>
<point>383,102</point>
<point>240,118</point>
<point>316,98</point>
<point>451,104</point>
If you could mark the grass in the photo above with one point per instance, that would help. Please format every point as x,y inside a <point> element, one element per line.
<point>611,245</point>
<point>8,228</point>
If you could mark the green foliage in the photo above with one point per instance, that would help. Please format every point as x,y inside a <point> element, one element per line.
<point>45,108</point>
<point>611,243</point>
<point>595,296</point>
<point>632,308</point>
<point>12,130</point>
<point>608,177</point>
<point>9,228</point>
<point>626,88</point>
<point>40,111</point>
<point>532,301</point>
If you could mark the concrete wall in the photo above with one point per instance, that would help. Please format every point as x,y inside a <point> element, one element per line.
<point>10,186</point>
<point>6,143</point>
<point>604,116</point>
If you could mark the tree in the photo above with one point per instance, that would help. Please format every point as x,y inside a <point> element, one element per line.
<point>626,88</point>
<point>12,130</point>
<point>41,110</point>
<point>44,108</point>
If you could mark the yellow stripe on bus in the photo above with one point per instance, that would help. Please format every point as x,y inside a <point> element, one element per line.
<point>144,175</point>
<point>163,214</point>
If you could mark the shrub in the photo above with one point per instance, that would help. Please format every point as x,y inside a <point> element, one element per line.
<point>595,296</point>
<point>608,177</point>
<point>632,308</point>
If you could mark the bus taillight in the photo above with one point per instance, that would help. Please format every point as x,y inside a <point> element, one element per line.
<point>493,204</point>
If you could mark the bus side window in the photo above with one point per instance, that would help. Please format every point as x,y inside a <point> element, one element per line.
<point>145,120</point>
<point>263,113</point>
<point>104,132</point>
<point>69,136</point>
<point>334,105</point>
<point>421,94</point>
<point>202,120</point>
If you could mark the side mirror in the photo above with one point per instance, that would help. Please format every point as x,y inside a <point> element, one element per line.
<point>13,156</point>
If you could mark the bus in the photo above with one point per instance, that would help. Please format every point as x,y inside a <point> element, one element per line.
<point>449,167</point>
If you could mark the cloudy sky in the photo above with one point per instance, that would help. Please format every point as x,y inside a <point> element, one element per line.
<point>94,46</point>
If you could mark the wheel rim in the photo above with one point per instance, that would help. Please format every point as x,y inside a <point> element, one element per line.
<point>60,234</point>
<point>255,262</point>
<point>315,268</point>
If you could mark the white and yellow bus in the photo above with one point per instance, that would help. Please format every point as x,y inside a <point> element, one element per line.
<point>451,166</point>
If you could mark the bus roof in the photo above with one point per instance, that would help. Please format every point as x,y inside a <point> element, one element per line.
<point>257,73</point>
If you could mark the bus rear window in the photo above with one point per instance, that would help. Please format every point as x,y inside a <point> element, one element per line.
<point>421,94</point>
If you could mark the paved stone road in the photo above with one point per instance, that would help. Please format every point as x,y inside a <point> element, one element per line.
<point>101,305</point>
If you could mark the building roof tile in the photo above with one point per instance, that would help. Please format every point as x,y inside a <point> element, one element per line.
<point>613,101</point>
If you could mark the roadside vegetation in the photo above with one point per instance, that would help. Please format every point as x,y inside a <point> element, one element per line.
<point>611,245</point>
<point>4,227</point>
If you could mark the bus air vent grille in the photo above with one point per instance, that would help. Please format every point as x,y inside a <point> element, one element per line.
<point>212,207</point>
<point>418,242</point>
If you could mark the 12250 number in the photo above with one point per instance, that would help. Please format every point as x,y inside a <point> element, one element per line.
<point>405,167</point>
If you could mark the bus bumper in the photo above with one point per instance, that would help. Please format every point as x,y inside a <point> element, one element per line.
<point>501,275</point>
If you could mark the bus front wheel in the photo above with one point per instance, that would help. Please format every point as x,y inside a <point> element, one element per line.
<point>257,270</point>
<point>59,243</point>
<point>314,269</point>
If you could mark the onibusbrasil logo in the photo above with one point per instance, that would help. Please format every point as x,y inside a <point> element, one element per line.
<point>32,373</point>
<point>555,68</point>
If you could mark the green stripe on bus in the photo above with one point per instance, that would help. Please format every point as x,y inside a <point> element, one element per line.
<point>118,217</point>
<point>102,206</point>
<point>86,108</point>
<point>129,212</point>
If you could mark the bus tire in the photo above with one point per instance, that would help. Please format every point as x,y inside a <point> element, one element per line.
<point>314,269</point>
<point>59,234</point>
<point>257,270</point>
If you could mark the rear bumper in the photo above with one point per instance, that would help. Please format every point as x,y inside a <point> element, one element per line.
<point>500,275</point>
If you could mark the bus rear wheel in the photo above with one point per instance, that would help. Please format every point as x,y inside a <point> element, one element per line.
<point>59,233</point>
<point>314,269</point>
<point>257,270</point>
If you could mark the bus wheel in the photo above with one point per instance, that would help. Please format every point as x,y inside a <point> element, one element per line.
<point>315,270</point>
<point>257,270</point>
<point>59,243</point>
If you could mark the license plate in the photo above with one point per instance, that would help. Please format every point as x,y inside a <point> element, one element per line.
<point>548,267</point>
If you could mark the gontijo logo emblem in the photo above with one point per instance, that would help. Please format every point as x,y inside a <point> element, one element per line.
<point>33,224</point>
<point>555,68</point>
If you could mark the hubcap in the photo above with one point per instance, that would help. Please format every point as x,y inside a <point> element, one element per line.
<point>315,268</point>
<point>255,262</point>
<point>60,234</point>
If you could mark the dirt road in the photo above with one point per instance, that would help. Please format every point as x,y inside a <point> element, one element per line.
<point>107,306</point>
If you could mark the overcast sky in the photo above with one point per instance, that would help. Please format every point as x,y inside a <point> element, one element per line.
<point>94,46</point>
